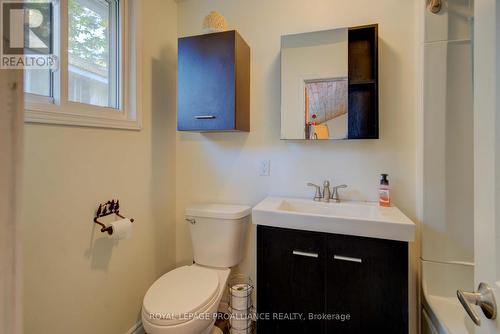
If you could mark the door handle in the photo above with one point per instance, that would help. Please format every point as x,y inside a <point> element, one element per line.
<point>306,254</point>
<point>484,298</point>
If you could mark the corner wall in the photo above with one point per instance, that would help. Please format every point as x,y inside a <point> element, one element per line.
<point>76,279</point>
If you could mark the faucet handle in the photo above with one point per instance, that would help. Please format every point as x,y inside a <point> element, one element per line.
<point>317,195</point>
<point>335,193</point>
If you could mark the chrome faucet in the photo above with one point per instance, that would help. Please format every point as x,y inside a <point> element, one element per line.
<point>326,191</point>
<point>326,195</point>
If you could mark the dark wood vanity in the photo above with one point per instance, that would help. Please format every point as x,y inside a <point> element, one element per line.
<point>350,284</point>
<point>213,83</point>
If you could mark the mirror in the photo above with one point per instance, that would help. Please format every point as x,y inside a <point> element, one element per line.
<point>329,84</point>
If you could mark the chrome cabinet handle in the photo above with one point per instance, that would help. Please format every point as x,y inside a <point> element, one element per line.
<point>484,298</point>
<point>205,117</point>
<point>306,254</point>
<point>347,258</point>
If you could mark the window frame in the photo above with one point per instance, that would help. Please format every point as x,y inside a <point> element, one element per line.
<point>59,110</point>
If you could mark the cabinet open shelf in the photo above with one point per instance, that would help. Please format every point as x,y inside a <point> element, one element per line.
<point>363,82</point>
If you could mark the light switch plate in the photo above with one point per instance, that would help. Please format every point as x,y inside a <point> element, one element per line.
<point>265,168</point>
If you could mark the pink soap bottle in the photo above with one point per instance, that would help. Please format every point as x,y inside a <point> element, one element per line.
<point>384,192</point>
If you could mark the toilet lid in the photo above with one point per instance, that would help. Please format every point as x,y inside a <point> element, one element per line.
<point>183,290</point>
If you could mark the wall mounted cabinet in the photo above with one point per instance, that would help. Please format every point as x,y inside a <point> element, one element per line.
<point>337,283</point>
<point>213,83</point>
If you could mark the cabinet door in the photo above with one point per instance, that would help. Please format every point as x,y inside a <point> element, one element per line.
<point>206,82</point>
<point>290,278</point>
<point>367,280</point>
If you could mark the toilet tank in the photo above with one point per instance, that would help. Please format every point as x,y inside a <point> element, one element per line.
<point>218,233</point>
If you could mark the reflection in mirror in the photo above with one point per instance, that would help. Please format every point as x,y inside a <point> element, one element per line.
<point>314,95</point>
<point>326,108</point>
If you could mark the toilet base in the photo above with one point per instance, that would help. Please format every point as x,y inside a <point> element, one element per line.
<point>216,330</point>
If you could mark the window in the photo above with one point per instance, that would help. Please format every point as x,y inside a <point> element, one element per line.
<point>38,82</point>
<point>93,60</point>
<point>90,85</point>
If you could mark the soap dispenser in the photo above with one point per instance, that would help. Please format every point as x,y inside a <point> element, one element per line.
<point>384,191</point>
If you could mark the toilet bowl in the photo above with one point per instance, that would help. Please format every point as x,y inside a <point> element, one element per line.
<point>185,300</point>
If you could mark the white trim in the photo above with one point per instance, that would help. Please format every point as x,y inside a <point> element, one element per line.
<point>65,112</point>
<point>415,250</point>
<point>136,329</point>
<point>50,117</point>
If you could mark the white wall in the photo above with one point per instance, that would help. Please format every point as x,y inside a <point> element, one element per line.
<point>223,167</point>
<point>76,279</point>
<point>447,230</point>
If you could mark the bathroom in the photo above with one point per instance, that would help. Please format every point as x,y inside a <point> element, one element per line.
<point>436,84</point>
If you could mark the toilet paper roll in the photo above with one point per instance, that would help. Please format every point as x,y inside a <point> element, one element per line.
<point>240,298</point>
<point>122,229</point>
<point>240,331</point>
<point>239,324</point>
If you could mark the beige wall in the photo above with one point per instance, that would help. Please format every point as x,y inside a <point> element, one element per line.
<point>76,279</point>
<point>224,167</point>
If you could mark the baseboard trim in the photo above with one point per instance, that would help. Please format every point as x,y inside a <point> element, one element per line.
<point>136,329</point>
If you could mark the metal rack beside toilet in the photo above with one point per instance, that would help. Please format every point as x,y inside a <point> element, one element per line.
<point>241,308</point>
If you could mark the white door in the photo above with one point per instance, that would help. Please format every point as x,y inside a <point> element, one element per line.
<point>486,168</point>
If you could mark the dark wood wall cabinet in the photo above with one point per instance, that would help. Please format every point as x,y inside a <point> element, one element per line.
<point>363,82</point>
<point>312,282</point>
<point>213,83</point>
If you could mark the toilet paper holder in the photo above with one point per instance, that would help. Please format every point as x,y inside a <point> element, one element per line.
<point>106,209</point>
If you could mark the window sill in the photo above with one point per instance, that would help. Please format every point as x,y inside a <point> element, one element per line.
<point>72,119</point>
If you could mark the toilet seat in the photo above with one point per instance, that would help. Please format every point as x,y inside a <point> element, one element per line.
<point>179,294</point>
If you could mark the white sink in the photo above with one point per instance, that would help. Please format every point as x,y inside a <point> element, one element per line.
<point>364,219</point>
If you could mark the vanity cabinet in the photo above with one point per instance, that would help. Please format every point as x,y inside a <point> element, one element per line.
<point>351,284</point>
<point>213,83</point>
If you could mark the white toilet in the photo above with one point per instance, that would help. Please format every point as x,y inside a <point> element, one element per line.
<point>184,300</point>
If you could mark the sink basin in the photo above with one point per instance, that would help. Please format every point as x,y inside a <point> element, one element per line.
<point>365,219</point>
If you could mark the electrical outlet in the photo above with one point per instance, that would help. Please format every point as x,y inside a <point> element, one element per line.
<point>265,168</point>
